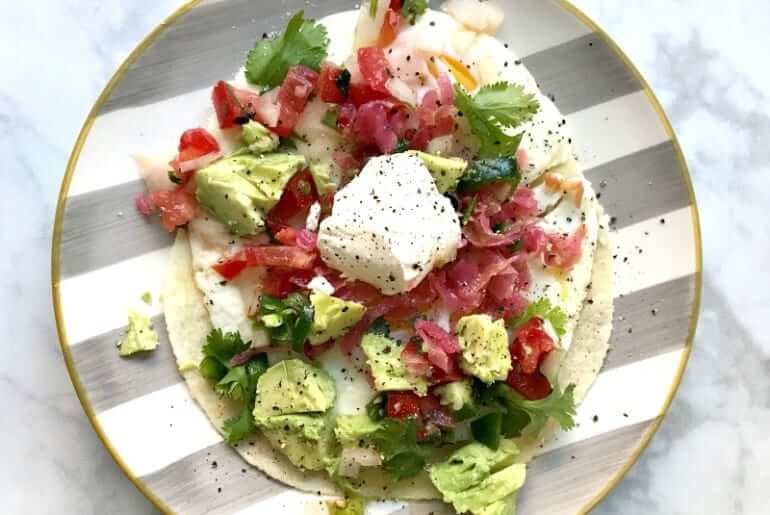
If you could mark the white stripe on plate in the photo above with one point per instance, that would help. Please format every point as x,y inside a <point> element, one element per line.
<point>666,244</point>
<point>172,427</point>
<point>602,133</point>
<point>624,390</point>
<point>98,301</point>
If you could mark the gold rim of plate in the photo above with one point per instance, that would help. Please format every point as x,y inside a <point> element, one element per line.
<point>149,40</point>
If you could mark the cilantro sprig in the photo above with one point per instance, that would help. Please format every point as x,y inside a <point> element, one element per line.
<point>287,320</point>
<point>494,108</point>
<point>413,9</point>
<point>544,310</point>
<point>303,42</point>
<point>397,442</point>
<point>235,382</point>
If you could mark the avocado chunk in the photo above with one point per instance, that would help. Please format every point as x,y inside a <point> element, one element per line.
<point>259,138</point>
<point>229,198</point>
<point>293,386</point>
<point>323,178</point>
<point>479,480</point>
<point>352,429</point>
<point>237,190</point>
<point>139,337</point>
<point>484,344</point>
<point>455,395</point>
<point>306,440</point>
<point>446,171</point>
<point>332,317</point>
<point>390,374</point>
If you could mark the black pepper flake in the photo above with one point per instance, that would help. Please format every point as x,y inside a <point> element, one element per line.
<point>596,418</point>
<point>663,221</point>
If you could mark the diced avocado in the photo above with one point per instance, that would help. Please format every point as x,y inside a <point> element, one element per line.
<point>140,335</point>
<point>484,344</point>
<point>479,480</point>
<point>351,429</point>
<point>304,439</point>
<point>455,395</point>
<point>259,138</point>
<point>332,317</point>
<point>470,465</point>
<point>446,171</point>
<point>323,178</point>
<point>229,198</point>
<point>293,386</point>
<point>495,489</point>
<point>390,374</point>
<point>348,506</point>
<point>505,507</point>
<point>237,190</point>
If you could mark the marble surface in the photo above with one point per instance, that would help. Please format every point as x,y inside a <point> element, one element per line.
<point>711,454</point>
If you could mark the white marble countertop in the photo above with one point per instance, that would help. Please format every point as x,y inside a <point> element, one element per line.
<point>707,61</point>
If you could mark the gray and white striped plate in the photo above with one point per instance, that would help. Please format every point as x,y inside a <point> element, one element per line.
<point>105,255</point>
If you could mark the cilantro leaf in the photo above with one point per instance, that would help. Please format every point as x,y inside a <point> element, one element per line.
<point>238,427</point>
<point>493,108</point>
<point>223,346</point>
<point>240,383</point>
<point>559,405</point>
<point>544,310</point>
<point>287,320</point>
<point>404,465</point>
<point>413,9</point>
<point>303,42</point>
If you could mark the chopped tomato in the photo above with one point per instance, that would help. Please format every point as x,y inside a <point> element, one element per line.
<point>230,110</point>
<point>293,96</point>
<point>396,4</point>
<point>360,94</point>
<point>414,360</point>
<point>438,376</point>
<point>531,346</point>
<point>374,68</point>
<point>328,87</point>
<point>280,282</point>
<point>532,386</point>
<point>298,195</point>
<point>390,27</point>
<point>346,115</point>
<point>403,405</point>
<point>268,256</point>
<point>198,140</point>
<point>177,207</point>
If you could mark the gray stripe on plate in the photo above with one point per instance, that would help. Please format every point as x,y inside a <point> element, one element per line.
<point>636,187</point>
<point>214,480</point>
<point>103,227</point>
<point>110,379</point>
<point>205,45</point>
<point>650,322</point>
<point>642,185</point>
<point>581,73</point>
<point>569,477</point>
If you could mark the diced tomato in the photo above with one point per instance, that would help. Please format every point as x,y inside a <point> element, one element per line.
<point>177,207</point>
<point>279,282</point>
<point>374,68</point>
<point>346,115</point>
<point>403,405</point>
<point>328,88</point>
<point>532,386</point>
<point>361,94</point>
<point>198,140</point>
<point>230,111</point>
<point>293,96</point>
<point>396,4</point>
<point>531,346</point>
<point>298,195</point>
<point>390,27</point>
<point>414,360</point>
<point>438,376</point>
<point>267,256</point>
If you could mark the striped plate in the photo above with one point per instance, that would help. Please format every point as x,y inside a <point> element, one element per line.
<point>105,255</point>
